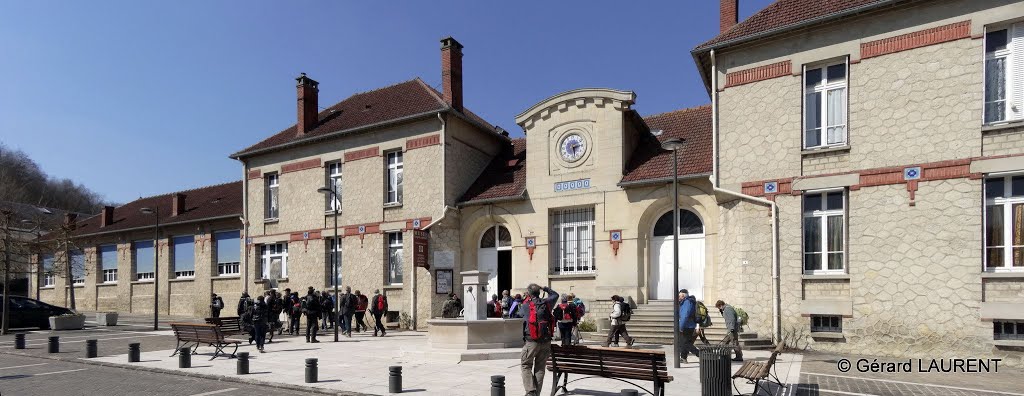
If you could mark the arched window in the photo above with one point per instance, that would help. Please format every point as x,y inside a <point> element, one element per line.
<point>497,236</point>
<point>689,223</point>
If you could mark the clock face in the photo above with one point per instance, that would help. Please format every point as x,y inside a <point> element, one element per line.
<point>573,147</point>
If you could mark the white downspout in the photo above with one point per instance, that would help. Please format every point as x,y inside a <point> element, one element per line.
<point>245,224</point>
<point>714,119</point>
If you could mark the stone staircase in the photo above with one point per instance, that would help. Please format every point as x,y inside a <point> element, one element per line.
<point>651,323</point>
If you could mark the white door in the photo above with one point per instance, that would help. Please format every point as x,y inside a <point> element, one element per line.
<point>691,257</point>
<point>487,260</point>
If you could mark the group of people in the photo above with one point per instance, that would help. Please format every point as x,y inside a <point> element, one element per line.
<point>267,312</point>
<point>693,318</point>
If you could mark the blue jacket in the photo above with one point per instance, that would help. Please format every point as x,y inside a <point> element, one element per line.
<point>686,313</point>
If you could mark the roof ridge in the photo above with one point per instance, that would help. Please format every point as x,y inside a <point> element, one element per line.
<point>433,92</point>
<point>182,191</point>
<point>694,108</point>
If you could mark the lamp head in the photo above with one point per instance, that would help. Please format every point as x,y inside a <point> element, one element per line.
<point>324,190</point>
<point>673,144</point>
<point>147,210</point>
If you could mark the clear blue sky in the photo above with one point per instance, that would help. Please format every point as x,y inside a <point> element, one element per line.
<point>138,98</point>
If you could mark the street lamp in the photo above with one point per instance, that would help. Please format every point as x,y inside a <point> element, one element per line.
<point>35,230</point>
<point>674,145</point>
<point>334,256</point>
<point>156,264</point>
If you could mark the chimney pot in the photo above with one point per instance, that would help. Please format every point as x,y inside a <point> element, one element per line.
<point>307,90</point>
<point>107,216</point>
<point>178,204</point>
<point>70,220</point>
<point>729,14</point>
<point>451,72</point>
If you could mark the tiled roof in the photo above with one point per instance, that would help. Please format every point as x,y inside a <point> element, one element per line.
<point>221,200</point>
<point>381,105</point>
<point>650,162</point>
<point>505,176</point>
<point>786,13</point>
<point>49,217</point>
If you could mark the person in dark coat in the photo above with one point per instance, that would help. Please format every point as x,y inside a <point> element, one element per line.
<point>259,313</point>
<point>378,308</point>
<point>687,324</point>
<point>243,303</point>
<point>361,304</point>
<point>311,306</point>
<point>294,313</point>
<point>347,307</point>
<point>216,304</point>
<point>327,310</point>
<point>732,324</point>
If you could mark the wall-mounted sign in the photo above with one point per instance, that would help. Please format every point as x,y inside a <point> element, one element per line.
<point>444,259</point>
<point>443,281</point>
<point>416,224</point>
<point>615,237</point>
<point>420,241</point>
<point>531,244</point>
<point>913,173</point>
<point>362,229</point>
<point>771,187</point>
<point>305,235</point>
<point>572,185</point>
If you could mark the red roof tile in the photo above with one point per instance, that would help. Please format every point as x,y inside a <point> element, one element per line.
<point>222,200</point>
<point>650,162</point>
<point>505,177</point>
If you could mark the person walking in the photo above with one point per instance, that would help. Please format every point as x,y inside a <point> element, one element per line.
<point>506,304</point>
<point>311,306</point>
<point>274,305</point>
<point>216,304</point>
<point>243,304</point>
<point>347,308</point>
<point>294,313</point>
<point>732,324</point>
<point>565,314</point>
<point>260,313</point>
<point>378,308</point>
<point>538,329</point>
<point>687,324</point>
<point>361,303</point>
<point>620,314</point>
<point>327,319</point>
<point>513,309</point>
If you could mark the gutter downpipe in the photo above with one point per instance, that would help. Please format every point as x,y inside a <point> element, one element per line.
<point>714,117</point>
<point>245,224</point>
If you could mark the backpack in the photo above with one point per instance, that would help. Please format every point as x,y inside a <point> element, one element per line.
<point>497,309</point>
<point>218,303</point>
<point>627,312</point>
<point>700,315</point>
<point>539,323</point>
<point>382,303</point>
<point>741,316</point>
<point>580,309</point>
<point>567,312</point>
<point>311,304</point>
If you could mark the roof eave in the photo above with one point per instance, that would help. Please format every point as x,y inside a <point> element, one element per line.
<point>661,180</point>
<point>221,217</point>
<point>519,197</point>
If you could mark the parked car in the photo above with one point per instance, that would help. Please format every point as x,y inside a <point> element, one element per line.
<point>28,312</point>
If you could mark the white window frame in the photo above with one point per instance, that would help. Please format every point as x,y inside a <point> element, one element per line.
<point>1007,201</point>
<point>49,279</point>
<point>270,251</point>
<point>395,178</point>
<point>394,243</point>
<point>822,216</point>
<point>826,328</point>
<point>573,255</point>
<point>1013,55</point>
<point>272,201</point>
<point>333,248</point>
<point>77,280</point>
<point>189,274</point>
<point>823,87</point>
<point>226,268</point>
<point>109,275</point>
<point>334,180</point>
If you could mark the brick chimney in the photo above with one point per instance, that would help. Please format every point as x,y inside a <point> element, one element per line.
<point>307,89</point>
<point>177,204</point>
<point>70,220</point>
<point>729,14</point>
<point>107,216</point>
<point>451,72</point>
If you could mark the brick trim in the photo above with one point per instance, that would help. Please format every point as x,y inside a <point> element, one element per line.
<point>362,154</point>
<point>921,38</point>
<point>760,73</point>
<point>372,228</point>
<point>255,174</point>
<point>423,223</point>
<point>301,165</point>
<point>421,142</point>
<point>298,236</point>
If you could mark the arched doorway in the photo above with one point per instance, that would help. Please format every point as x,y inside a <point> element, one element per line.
<point>495,257</point>
<point>691,256</point>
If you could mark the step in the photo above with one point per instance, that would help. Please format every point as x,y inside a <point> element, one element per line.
<point>662,339</point>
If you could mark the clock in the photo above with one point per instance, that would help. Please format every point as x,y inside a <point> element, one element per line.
<point>573,147</point>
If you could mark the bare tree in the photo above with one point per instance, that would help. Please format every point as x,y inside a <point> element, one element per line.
<point>23,181</point>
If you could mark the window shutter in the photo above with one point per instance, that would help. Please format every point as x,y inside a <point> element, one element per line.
<point>1016,72</point>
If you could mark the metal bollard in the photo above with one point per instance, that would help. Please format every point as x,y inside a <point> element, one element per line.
<point>19,341</point>
<point>311,372</point>
<point>630,392</point>
<point>53,345</point>
<point>90,349</point>
<point>134,354</point>
<point>497,385</point>
<point>242,367</point>
<point>185,357</point>
<point>395,379</point>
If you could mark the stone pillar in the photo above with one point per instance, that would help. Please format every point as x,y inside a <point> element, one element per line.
<point>474,294</point>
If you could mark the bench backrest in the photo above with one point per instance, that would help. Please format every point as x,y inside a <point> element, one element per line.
<point>610,362</point>
<point>231,324</point>
<point>197,332</point>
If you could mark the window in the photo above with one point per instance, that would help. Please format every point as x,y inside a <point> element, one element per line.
<point>48,277</point>
<point>108,263</point>
<point>77,267</point>
<point>272,201</point>
<point>395,167</point>
<point>572,241</point>
<point>333,249</point>
<point>143,259</point>
<point>825,105</point>
<point>824,232</point>
<point>394,270</point>
<point>496,237</point>
<point>689,224</point>
<point>333,201</point>
<point>1004,78</point>
<point>228,245</point>
<point>1004,223</point>
<point>274,259</point>
<point>184,255</point>
<point>1008,330</point>
<point>826,324</point>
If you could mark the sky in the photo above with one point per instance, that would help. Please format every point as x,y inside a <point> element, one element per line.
<point>137,98</point>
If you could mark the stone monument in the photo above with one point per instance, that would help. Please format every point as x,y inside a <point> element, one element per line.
<point>475,331</point>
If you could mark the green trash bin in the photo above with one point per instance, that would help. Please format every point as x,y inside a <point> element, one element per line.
<point>715,370</point>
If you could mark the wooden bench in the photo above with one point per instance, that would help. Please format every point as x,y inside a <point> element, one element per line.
<point>192,335</point>
<point>614,363</point>
<point>230,326</point>
<point>756,372</point>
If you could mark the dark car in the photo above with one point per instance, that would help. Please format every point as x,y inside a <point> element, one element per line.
<point>27,312</point>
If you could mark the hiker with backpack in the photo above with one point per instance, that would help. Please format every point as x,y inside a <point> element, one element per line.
<point>687,323</point>
<point>216,305</point>
<point>621,313</point>
<point>378,307</point>
<point>538,328</point>
<point>565,313</point>
<point>733,321</point>
<point>311,307</point>
<point>294,313</point>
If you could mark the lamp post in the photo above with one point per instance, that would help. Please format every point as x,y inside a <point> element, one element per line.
<point>35,230</point>
<point>333,196</point>
<point>673,145</point>
<point>156,264</point>
<point>7,269</point>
